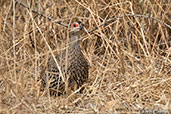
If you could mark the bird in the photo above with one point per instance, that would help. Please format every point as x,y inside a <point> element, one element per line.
<point>72,63</point>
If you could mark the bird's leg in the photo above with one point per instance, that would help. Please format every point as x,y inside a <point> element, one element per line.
<point>67,88</point>
<point>75,86</point>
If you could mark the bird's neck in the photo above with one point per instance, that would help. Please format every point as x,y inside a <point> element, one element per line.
<point>74,38</point>
<point>75,41</point>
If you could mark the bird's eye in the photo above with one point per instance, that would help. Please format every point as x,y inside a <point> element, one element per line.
<point>75,25</point>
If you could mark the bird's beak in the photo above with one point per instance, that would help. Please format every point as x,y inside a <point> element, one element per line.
<point>82,28</point>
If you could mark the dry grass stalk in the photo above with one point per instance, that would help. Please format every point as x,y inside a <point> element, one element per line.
<point>129,56</point>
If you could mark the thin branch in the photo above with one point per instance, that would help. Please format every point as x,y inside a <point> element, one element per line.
<point>128,15</point>
<point>41,14</point>
<point>105,23</point>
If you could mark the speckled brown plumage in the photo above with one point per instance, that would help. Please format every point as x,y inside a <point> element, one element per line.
<point>73,65</point>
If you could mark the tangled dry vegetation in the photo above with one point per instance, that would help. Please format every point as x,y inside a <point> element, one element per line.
<point>129,57</point>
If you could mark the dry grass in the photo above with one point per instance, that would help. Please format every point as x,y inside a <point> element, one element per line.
<point>130,62</point>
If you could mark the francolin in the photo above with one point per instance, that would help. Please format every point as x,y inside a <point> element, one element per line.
<point>72,63</point>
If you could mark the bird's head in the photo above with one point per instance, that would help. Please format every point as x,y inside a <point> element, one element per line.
<point>77,28</point>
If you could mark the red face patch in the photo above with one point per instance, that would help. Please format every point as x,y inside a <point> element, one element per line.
<point>75,25</point>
